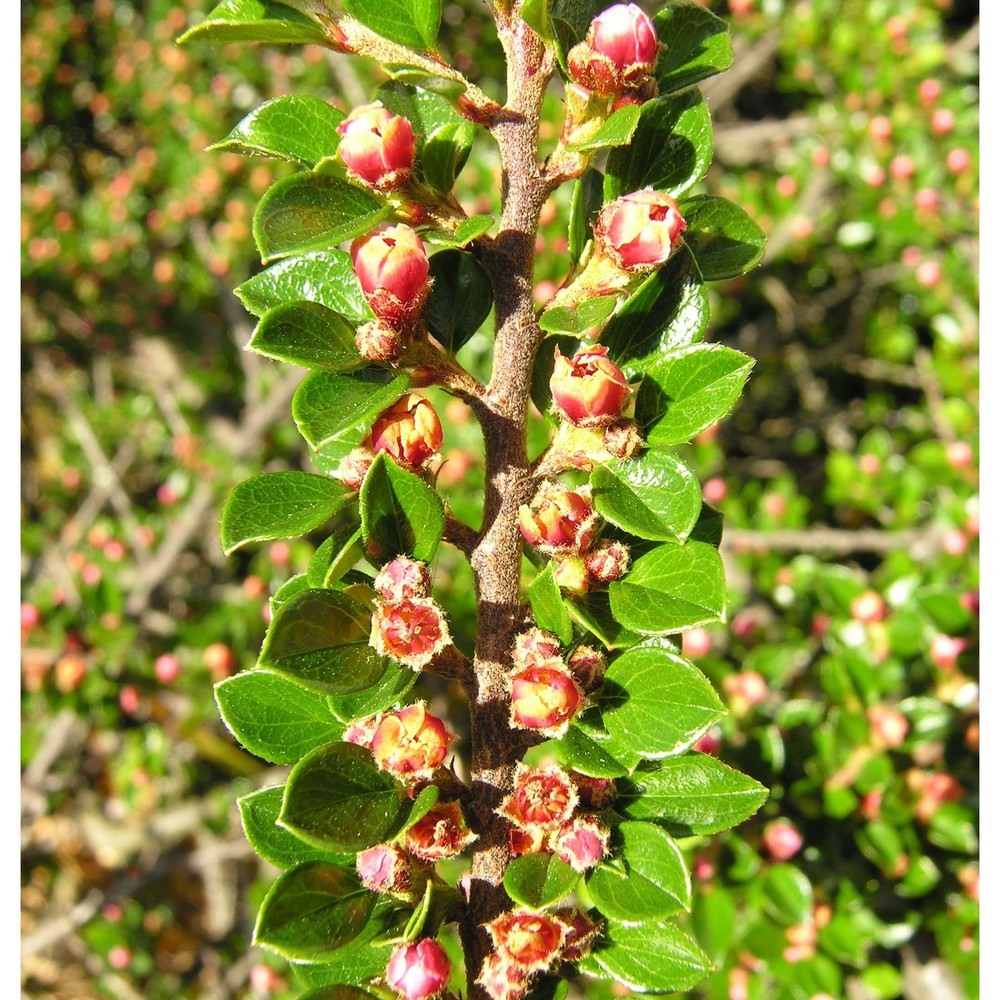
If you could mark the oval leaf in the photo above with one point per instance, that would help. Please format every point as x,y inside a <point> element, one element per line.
<point>539,880</point>
<point>410,22</point>
<point>307,334</point>
<point>548,607</point>
<point>395,683</point>
<point>444,153</point>
<point>254,21</point>
<point>697,45</point>
<point>460,298</point>
<point>724,240</point>
<point>616,131</point>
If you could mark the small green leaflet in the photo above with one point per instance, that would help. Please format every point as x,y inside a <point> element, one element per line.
<point>723,239</point>
<point>307,334</point>
<point>697,45</point>
<point>254,21</point>
<point>409,22</point>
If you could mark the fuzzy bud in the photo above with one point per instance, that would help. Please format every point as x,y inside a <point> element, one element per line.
<point>588,665</point>
<point>354,467</point>
<point>571,575</point>
<point>581,932</point>
<point>410,743</point>
<point>888,726</point>
<point>403,578</point>
<point>440,834</point>
<point>543,798</point>
<point>596,794</point>
<point>639,231</point>
<point>588,390</point>
<point>385,868</point>
<point>623,440</point>
<point>582,843</point>
<point>608,561</point>
<point>411,631</point>
<point>409,431</point>
<point>868,607</point>
<point>362,732</point>
<point>618,53</point>
<point>781,840</point>
<point>536,648</point>
<point>393,269</point>
<point>377,147</point>
<point>530,940</point>
<point>544,699</point>
<point>418,971</point>
<point>502,979</point>
<point>528,842</point>
<point>558,521</point>
<point>376,342</point>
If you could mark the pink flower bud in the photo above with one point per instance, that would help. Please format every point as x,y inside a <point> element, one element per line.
<point>588,390</point>
<point>558,521</point>
<point>120,957</point>
<point>588,665</point>
<point>502,979</point>
<point>888,726</point>
<point>927,200</point>
<point>530,940</point>
<point>418,971</point>
<point>440,834</point>
<point>880,128</point>
<point>748,687</point>
<point>695,643</point>
<point>954,542</point>
<point>959,454</point>
<point>354,467</point>
<point>710,742</point>
<point>410,743</point>
<point>544,699</point>
<point>929,91</point>
<point>403,578</point>
<point>409,431</point>
<point>411,631</point>
<point>622,439</point>
<point>543,798</point>
<point>945,650</point>
<point>393,269</point>
<point>781,840</point>
<point>362,732</point>
<point>943,121</point>
<point>582,843</point>
<point>536,648</point>
<point>30,617</point>
<point>376,342</point>
<point>619,52</point>
<point>581,932</point>
<point>70,671</point>
<point>571,575</point>
<point>608,561</point>
<point>639,231</point>
<point>868,607</point>
<point>386,868</point>
<point>167,668</point>
<point>958,160</point>
<point>714,490</point>
<point>938,788</point>
<point>902,167</point>
<point>596,794</point>
<point>377,147</point>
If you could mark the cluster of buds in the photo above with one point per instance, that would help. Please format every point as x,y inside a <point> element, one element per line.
<point>409,744</point>
<point>618,54</point>
<point>418,971</point>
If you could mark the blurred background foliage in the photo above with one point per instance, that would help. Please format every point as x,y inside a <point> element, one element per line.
<point>848,477</point>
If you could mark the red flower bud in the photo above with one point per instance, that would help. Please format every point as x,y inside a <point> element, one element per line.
<point>595,793</point>
<point>588,390</point>
<point>418,971</point>
<point>640,230</point>
<point>543,798</point>
<point>393,269</point>
<point>503,979</point>
<point>544,699</point>
<point>536,648</point>
<point>441,833</point>
<point>888,725</point>
<point>622,439</point>
<point>409,431</point>
<point>530,940</point>
<point>354,467</point>
<point>376,342</point>
<point>377,147</point>
<point>582,843</point>
<point>580,933</point>
<point>362,732</point>
<point>410,743</point>
<point>386,868</point>
<point>868,607</point>
<point>588,665</point>
<point>619,52</point>
<point>528,842</point>
<point>558,521</point>
<point>403,578</point>
<point>781,840</point>
<point>608,561</point>
<point>411,631</point>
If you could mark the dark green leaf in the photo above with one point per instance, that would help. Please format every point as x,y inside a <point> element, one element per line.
<point>654,495</point>
<point>330,561</point>
<point>424,109</point>
<point>327,405</point>
<point>254,21</point>
<point>589,748</point>
<point>594,613</point>
<point>444,154</point>
<point>395,683</point>
<point>410,22</point>
<point>423,804</point>
<point>279,505</point>
<point>588,195</point>
<point>313,212</point>
<point>686,392</point>
<point>698,45</point>
<point>588,314</point>
<point>539,880</point>
<point>324,276</point>
<point>724,240</point>
<point>460,298</point>
<point>292,587</point>
<point>548,607</point>
<point>337,798</point>
<point>788,896</point>
<point>400,513</point>
<point>275,718</point>
<point>365,958</point>
<point>307,334</point>
<point>616,131</point>
<point>692,794</point>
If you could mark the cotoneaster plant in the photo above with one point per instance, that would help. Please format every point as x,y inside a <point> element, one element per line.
<point>577,774</point>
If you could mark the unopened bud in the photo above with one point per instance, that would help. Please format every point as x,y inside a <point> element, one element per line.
<point>623,440</point>
<point>559,521</point>
<point>588,390</point>
<point>411,631</point>
<point>543,798</point>
<point>409,431</point>
<point>536,648</point>
<point>544,699</point>
<point>376,342</point>
<point>502,979</point>
<point>386,868</point>
<point>571,575</point>
<point>596,794</point>
<point>888,726</point>
<point>440,834</point>
<point>582,843</point>
<point>403,578</point>
<point>392,267</point>
<point>581,932</point>
<point>608,561</point>
<point>868,607</point>
<point>639,231</point>
<point>530,940</point>
<point>618,53</point>
<point>377,147</point>
<point>354,467</point>
<point>588,665</point>
<point>781,840</point>
<point>418,971</point>
<point>410,743</point>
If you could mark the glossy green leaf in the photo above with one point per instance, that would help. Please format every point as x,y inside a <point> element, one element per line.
<point>670,149</point>
<point>254,21</point>
<point>445,152</point>
<point>338,991</point>
<point>337,798</point>
<point>426,110</point>
<point>588,195</point>
<point>690,390</point>
<point>594,613</point>
<point>539,880</point>
<point>463,234</point>
<point>313,910</point>
<point>698,45</point>
<point>578,320</point>
<point>400,513</point>
<point>313,212</point>
<point>670,589</point>
<point>668,311</point>
<point>616,131</point>
<point>324,276</point>
<point>328,405</point>
<point>692,794</point>
<point>275,718</point>
<point>460,298</point>
<point>589,748</point>
<point>336,555</point>
<point>365,958</point>
<point>654,495</point>
<point>656,702</point>
<point>292,587</point>
<point>788,895</point>
<point>297,127</point>
<point>655,882</point>
<point>279,505</point>
<point>953,828</point>
<point>724,240</point>
<point>410,22</point>
<point>548,607</point>
<point>320,638</point>
<point>389,691</point>
<point>307,334</point>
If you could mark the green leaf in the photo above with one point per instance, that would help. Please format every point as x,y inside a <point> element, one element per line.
<point>274,717</point>
<point>298,128</point>
<point>690,390</point>
<point>313,212</point>
<point>259,814</point>
<point>698,45</point>
<point>588,195</point>
<point>292,587</point>
<point>788,896</point>
<point>595,615</point>
<point>464,233</point>
<point>655,883</point>
<point>254,21</point>
<point>313,910</point>
<point>327,405</point>
<point>338,991</point>
<point>692,794</point>
<point>539,880</point>
<point>656,702</point>
<point>724,240</point>
<point>365,958</point>
<point>460,298</point>
<point>953,828</point>
<point>410,22</point>
<point>400,513</point>
<point>337,798</point>
<point>324,276</point>
<point>279,505</point>
<point>668,311</point>
<point>330,561</point>
<point>424,109</point>
<point>670,149</point>
<point>654,495</point>
<point>616,131</point>
<point>548,607</point>
<point>445,152</point>
<point>320,638</point>
<point>389,691</point>
<point>589,748</point>
<point>670,589</point>
<point>344,559</point>
<point>578,320</point>
<point>307,334</point>
<point>651,957</point>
